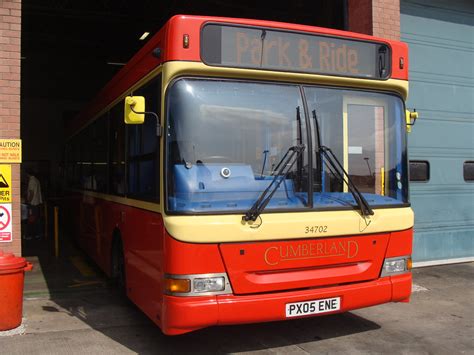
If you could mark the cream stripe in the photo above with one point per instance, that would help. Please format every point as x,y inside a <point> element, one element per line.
<point>230,228</point>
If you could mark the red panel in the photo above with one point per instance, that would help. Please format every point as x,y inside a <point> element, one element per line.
<point>142,232</point>
<point>189,258</point>
<point>400,243</point>
<point>185,314</point>
<point>274,266</point>
<point>179,26</point>
<point>399,53</point>
<point>401,287</point>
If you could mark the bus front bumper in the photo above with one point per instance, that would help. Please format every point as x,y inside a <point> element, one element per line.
<point>184,314</point>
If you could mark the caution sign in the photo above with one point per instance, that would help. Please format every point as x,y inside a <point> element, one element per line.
<point>5,183</point>
<point>5,222</point>
<point>10,150</point>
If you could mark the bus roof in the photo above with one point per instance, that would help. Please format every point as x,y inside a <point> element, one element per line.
<point>169,39</point>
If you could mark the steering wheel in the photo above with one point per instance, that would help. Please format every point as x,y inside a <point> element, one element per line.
<point>217,159</point>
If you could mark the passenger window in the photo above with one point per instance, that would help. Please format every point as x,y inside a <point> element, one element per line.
<point>99,156</point>
<point>73,167</point>
<point>468,171</point>
<point>85,139</point>
<point>117,150</point>
<point>143,147</point>
<point>419,170</point>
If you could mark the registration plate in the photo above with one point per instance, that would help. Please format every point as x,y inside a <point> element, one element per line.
<point>313,307</point>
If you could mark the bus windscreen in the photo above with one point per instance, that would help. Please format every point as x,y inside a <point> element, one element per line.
<point>270,49</point>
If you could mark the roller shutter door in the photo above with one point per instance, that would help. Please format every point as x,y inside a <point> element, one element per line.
<point>440,35</point>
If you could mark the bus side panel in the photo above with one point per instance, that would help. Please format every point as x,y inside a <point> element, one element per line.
<point>96,220</point>
<point>107,215</point>
<point>141,232</point>
<point>85,229</point>
<point>142,237</point>
<point>78,217</point>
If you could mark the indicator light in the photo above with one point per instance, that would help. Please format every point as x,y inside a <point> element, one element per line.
<point>177,285</point>
<point>185,41</point>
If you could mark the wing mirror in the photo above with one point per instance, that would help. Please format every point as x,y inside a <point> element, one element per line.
<point>134,110</point>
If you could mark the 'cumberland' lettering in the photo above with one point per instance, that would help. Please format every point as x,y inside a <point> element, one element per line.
<point>311,250</point>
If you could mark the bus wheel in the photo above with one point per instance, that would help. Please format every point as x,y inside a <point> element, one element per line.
<point>118,266</point>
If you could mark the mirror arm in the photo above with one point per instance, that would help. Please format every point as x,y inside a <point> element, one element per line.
<point>159,130</point>
<point>414,116</point>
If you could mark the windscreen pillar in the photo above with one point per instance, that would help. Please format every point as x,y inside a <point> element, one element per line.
<point>380,18</point>
<point>10,49</point>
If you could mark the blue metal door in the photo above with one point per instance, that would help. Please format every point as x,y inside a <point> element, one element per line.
<point>440,35</point>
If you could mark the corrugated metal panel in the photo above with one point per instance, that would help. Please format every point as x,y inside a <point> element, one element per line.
<point>441,39</point>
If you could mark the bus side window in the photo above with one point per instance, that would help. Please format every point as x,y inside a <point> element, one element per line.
<point>85,152</point>
<point>99,156</point>
<point>117,150</point>
<point>73,163</point>
<point>143,147</point>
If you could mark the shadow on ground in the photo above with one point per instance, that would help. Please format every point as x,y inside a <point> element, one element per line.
<point>130,328</point>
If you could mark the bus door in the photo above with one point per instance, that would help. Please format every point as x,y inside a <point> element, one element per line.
<point>364,153</point>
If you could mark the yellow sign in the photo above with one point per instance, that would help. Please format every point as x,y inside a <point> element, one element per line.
<point>10,150</point>
<point>5,183</point>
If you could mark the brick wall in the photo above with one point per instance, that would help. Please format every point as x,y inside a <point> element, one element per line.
<point>379,18</point>
<point>10,49</point>
<point>386,18</point>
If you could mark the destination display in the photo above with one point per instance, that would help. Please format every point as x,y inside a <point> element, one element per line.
<point>270,49</point>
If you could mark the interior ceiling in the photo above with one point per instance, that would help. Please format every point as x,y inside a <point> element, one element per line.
<point>66,44</point>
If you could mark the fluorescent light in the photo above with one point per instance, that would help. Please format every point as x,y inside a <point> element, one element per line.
<point>144,35</point>
<point>116,63</point>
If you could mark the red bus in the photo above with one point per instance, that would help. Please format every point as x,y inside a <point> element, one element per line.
<point>239,171</point>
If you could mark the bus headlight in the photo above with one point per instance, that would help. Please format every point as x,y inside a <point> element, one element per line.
<point>398,265</point>
<point>197,285</point>
<point>209,284</point>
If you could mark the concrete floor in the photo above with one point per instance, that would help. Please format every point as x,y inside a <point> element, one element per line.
<point>76,312</point>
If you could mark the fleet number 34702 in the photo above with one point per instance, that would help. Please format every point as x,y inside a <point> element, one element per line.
<point>316,229</point>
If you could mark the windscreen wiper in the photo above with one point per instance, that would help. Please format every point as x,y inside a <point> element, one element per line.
<point>283,168</point>
<point>338,170</point>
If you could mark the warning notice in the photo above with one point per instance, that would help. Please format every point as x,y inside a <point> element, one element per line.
<point>5,222</point>
<point>5,183</point>
<point>10,150</point>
